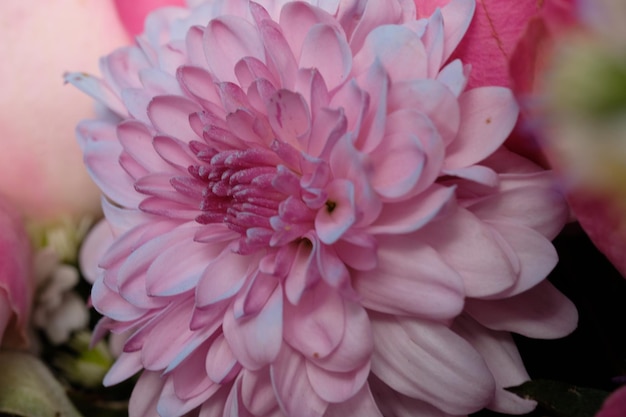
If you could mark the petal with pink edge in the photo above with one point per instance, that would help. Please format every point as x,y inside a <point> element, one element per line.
<point>430,362</point>
<point>170,114</point>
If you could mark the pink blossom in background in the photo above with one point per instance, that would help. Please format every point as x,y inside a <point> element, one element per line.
<point>42,170</point>
<point>308,214</point>
<point>133,13</point>
<point>16,277</point>
<point>615,405</point>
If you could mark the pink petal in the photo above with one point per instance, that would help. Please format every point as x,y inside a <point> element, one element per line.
<point>293,390</point>
<point>223,278</point>
<point>488,115</point>
<point>227,40</point>
<point>411,279</point>
<point>376,13</point>
<point>539,208</point>
<point>256,340</point>
<point>355,348</point>
<point>97,89</point>
<point>471,249</point>
<point>431,98</point>
<point>362,404</point>
<point>297,19</point>
<point>126,365</point>
<point>392,403</point>
<point>339,214</point>
<point>166,278</point>
<point>317,325</point>
<point>221,363</point>
<point>399,50</point>
<point>290,118</point>
<point>409,215</point>
<point>101,157</point>
<point>191,380</point>
<point>256,392</point>
<point>169,404</point>
<point>457,16</point>
<point>93,248</point>
<point>325,48</point>
<point>536,255</point>
<point>145,395</point>
<point>541,313</point>
<point>430,362</point>
<point>170,114</point>
<point>337,387</point>
<point>399,162</point>
<point>504,361</point>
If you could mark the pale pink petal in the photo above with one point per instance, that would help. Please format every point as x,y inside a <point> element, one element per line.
<point>256,340</point>
<point>361,404</point>
<point>257,394</point>
<point>504,361</point>
<point>541,312</point>
<point>536,255</point>
<point>170,114</point>
<point>292,387</point>
<point>541,209</point>
<point>315,326</point>
<point>227,40</point>
<point>145,396</point>
<point>220,361</point>
<point>469,246</point>
<point>337,387</point>
<point>488,117</point>
<point>408,351</point>
<point>410,279</point>
<point>409,215</point>
<point>326,49</point>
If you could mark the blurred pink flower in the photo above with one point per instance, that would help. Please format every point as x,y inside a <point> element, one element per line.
<point>310,215</point>
<point>615,405</point>
<point>133,13</point>
<point>42,172</point>
<point>16,277</point>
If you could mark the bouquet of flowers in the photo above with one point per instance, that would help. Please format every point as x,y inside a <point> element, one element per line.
<point>313,208</point>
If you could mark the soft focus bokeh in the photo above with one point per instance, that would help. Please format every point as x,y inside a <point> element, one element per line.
<point>42,170</point>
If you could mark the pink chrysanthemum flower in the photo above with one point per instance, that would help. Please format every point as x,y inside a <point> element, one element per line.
<point>311,216</point>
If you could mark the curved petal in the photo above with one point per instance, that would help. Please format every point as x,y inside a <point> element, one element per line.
<point>293,390</point>
<point>504,361</point>
<point>488,115</point>
<point>541,312</point>
<point>430,362</point>
<point>411,279</point>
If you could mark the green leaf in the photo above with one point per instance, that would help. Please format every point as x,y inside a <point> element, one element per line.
<point>28,388</point>
<point>564,400</point>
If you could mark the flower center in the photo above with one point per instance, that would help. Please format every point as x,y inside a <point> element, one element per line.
<point>238,190</point>
<point>254,194</point>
